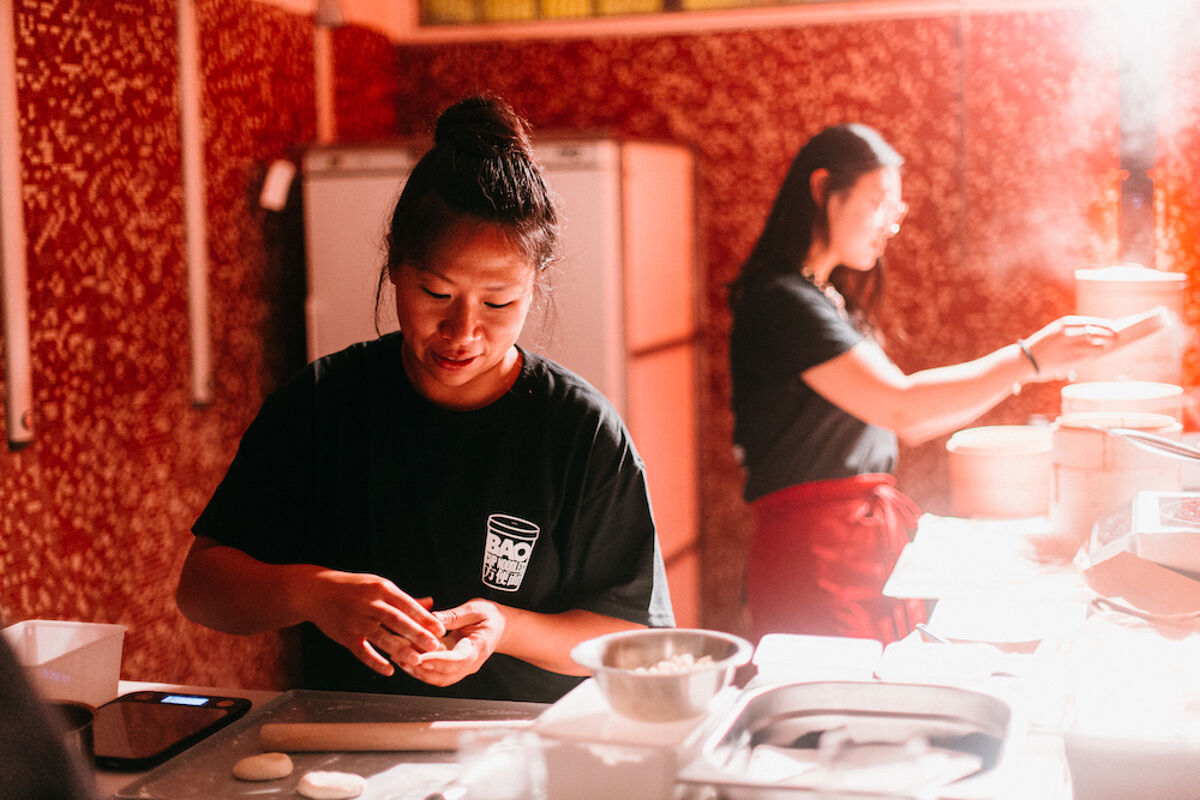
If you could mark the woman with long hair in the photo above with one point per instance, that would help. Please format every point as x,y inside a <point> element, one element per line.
<point>819,407</point>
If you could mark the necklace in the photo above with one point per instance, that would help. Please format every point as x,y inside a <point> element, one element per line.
<point>827,289</point>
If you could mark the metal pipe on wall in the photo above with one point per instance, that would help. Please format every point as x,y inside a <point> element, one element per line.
<point>195,216</point>
<point>14,290</point>
<point>1141,31</point>
<point>323,84</point>
<point>326,17</point>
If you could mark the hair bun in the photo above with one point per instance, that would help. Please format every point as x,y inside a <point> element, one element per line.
<point>484,127</point>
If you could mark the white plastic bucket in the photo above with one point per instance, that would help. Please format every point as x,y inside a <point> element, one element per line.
<point>1094,472</point>
<point>1000,471</point>
<point>78,661</point>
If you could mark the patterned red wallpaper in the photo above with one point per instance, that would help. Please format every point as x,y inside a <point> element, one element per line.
<point>88,511</point>
<point>366,85</point>
<point>94,515</point>
<point>1008,122</point>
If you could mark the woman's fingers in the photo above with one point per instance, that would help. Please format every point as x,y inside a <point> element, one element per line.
<point>463,650</point>
<point>446,667</point>
<point>412,619</point>
<point>400,649</point>
<point>460,617</point>
<point>1096,332</point>
<point>373,619</point>
<point>1070,341</point>
<point>367,654</point>
<point>404,626</point>
<point>434,678</point>
<point>386,628</point>
<point>474,629</point>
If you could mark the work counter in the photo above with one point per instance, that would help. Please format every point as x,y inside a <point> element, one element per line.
<point>1022,626</point>
<point>204,770</point>
<point>1034,769</point>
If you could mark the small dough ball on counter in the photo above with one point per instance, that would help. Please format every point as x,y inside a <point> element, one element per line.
<point>331,785</point>
<point>263,767</point>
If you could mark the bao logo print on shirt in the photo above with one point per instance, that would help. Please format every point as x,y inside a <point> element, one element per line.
<point>506,551</point>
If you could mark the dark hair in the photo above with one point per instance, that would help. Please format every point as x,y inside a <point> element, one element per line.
<point>847,151</point>
<point>481,168</point>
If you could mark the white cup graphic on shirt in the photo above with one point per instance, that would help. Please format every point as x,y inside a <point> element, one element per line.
<point>506,551</point>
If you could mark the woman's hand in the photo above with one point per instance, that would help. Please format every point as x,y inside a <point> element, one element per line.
<point>474,631</point>
<point>1068,341</point>
<point>479,628</point>
<point>371,617</point>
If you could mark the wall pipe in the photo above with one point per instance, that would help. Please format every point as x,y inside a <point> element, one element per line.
<point>1141,33</point>
<point>14,290</point>
<point>194,203</point>
<point>323,84</point>
<point>326,17</point>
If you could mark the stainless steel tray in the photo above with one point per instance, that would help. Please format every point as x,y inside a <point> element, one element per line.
<point>793,717</point>
<point>204,771</point>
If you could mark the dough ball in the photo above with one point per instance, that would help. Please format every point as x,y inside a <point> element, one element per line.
<point>331,785</point>
<point>263,767</point>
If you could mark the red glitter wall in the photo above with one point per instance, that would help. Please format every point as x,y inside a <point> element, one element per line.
<point>95,514</point>
<point>1008,122</point>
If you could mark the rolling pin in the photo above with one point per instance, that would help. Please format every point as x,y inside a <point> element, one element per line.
<point>291,737</point>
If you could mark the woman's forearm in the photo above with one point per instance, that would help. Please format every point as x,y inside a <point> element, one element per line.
<point>865,383</point>
<point>545,640</point>
<point>946,398</point>
<point>943,399</point>
<point>225,589</point>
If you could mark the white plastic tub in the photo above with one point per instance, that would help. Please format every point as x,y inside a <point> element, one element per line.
<point>1124,289</point>
<point>78,661</point>
<point>1000,471</point>
<point>1120,291</point>
<point>1094,472</point>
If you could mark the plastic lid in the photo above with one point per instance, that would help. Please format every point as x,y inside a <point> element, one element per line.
<point>1130,273</point>
<point>1001,440</point>
<point>1121,390</point>
<point>1137,420</point>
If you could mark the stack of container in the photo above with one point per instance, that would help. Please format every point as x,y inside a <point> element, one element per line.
<point>1136,387</point>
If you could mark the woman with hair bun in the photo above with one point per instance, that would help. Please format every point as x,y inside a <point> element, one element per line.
<point>441,511</point>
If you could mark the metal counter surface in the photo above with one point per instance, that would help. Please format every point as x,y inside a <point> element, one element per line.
<point>204,771</point>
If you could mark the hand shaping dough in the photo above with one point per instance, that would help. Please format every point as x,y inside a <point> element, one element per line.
<point>263,767</point>
<point>331,785</point>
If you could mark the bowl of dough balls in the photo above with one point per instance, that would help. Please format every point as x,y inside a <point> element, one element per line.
<point>662,674</point>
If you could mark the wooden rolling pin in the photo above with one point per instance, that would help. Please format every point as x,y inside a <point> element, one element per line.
<point>292,737</point>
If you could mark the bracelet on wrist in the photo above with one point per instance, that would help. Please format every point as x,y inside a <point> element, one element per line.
<point>1029,355</point>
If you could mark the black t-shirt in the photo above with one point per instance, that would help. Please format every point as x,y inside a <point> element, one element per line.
<point>536,501</point>
<point>789,434</point>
